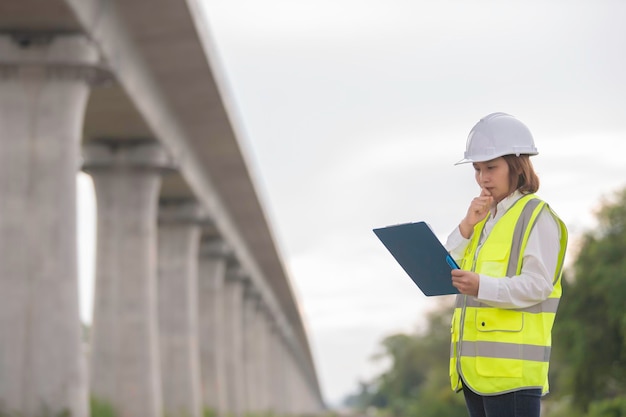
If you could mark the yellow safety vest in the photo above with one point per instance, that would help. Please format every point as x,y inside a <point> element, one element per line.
<point>497,350</point>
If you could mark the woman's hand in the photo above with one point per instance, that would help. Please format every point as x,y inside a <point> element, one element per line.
<point>466,282</point>
<point>478,209</point>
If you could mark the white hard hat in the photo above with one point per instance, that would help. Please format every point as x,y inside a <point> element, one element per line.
<point>496,135</point>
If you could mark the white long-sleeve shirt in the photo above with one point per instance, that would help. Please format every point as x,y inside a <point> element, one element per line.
<point>534,283</point>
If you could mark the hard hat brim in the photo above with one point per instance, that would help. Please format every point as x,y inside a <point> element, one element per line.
<point>464,161</point>
<point>486,158</point>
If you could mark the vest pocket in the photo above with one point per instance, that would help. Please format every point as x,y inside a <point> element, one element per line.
<point>499,342</point>
<point>499,320</point>
<point>493,260</point>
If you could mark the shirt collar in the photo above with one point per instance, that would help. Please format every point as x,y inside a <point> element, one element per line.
<point>506,203</point>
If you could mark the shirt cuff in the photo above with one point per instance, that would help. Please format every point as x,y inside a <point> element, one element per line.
<point>488,288</point>
<point>456,240</point>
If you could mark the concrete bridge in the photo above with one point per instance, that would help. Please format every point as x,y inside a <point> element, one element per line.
<point>193,311</point>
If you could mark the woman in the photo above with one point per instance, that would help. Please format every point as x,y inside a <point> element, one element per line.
<point>510,246</point>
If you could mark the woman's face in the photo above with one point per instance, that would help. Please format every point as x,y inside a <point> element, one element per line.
<point>493,176</point>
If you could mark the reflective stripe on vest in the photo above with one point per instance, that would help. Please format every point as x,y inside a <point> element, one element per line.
<point>502,350</point>
<point>548,306</point>
<point>508,350</point>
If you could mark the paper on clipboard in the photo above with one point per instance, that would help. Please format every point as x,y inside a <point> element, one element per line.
<point>422,256</point>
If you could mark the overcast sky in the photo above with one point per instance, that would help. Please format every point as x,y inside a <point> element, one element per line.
<point>352,113</point>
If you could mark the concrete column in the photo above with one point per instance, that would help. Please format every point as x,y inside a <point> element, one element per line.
<point>278,362</point>
<point>264,370</point>
<point>179,237</point>
<point>211,275</point>
<point>301,400</point>
<point>233,340</point>
<point>44,86</point>
<point>125,369</point>
<point>291,386</point>
<point>297,407</point>
<point>272,360</point>
<point>289,381</point>
<point>251,347</point>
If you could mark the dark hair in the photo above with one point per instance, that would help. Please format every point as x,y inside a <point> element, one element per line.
<point>522,175</point>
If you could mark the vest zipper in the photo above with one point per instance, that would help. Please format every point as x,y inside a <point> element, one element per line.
<point>460,342</point>
<point>462,318</point>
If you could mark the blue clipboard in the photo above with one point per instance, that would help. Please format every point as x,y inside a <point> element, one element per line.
<point>422,256</point>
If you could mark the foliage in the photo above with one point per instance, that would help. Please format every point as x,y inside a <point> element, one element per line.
<point>590,330</point>
<point>417,382</point>
<point>45,412</point>
<point>560,407</point>
<point>208,412</point>
<point>614,407</point>
<point>100,408</point>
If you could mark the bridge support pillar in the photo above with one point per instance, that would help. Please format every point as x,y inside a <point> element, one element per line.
<point>44,86</point>
<point>265,370</point>
<point>211,276</point>
<point>233,341</point>
<point>289,380</point>
<point>125,369</point>
<point>277,360</point>
<point>251,347</point>
<point>179,237</point>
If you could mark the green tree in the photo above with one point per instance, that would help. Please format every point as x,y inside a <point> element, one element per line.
<point>417,381</point>
<point>590,330</point>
